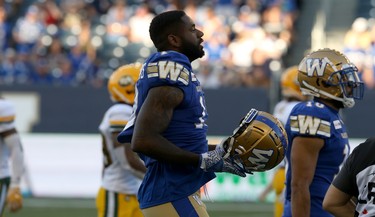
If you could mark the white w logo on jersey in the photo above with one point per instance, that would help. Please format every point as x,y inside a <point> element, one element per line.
<point>308,124</point>
<point>171,69</point>
<point>318,65</point>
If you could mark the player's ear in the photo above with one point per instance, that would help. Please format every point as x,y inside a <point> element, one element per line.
<point>174,40</point>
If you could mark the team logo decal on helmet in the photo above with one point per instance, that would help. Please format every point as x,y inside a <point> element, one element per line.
<point>328,74</point>
<point>260,142</point>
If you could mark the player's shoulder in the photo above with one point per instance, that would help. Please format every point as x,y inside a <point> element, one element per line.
<point>167,67</point>
<point>6,108</point>
<point>312,118</point>
<point>313,109</point>
<point>281,104</point>
<point>362,157</point>
<point>367,146</point>
<point>168,58</point>
<point>370,141</point>
<point>119,110</point>
<point>120,107</point>
<point>286,106</point>
<point>117,116</point>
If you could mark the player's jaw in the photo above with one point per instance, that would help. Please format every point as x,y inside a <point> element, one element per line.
<point>193,50</point>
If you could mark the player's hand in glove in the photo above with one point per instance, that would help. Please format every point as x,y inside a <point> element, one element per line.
<point>213,161</point>
<point>14,199</point>
<point>225,146</point>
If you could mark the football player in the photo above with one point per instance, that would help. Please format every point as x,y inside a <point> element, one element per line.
<point>122,169</point>
<point>11,159</point>
<point>291,95</point>
<point>355,179</point>
<point>168,127</point>
<point>317,135</point>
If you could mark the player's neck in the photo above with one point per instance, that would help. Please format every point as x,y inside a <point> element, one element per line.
<point>336,105</point>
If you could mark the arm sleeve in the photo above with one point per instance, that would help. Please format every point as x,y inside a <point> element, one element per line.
<point>13,142</point>
<point>345,179</point>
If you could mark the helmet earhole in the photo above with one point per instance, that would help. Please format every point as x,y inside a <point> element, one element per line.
<point>325,84</point>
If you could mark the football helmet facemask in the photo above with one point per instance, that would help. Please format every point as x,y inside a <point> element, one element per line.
<point>260,142</point>
<point>289,84</point>
<point>328,74</point>
<point>121,84</point>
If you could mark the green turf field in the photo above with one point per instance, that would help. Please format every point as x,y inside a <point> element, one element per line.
<point>50,207</point>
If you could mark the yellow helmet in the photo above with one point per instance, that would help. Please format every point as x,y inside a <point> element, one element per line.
<point>328,74</point>
<point>289,84</point>
<point>121,84</point>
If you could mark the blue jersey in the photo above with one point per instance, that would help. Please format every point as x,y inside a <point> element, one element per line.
<point>165,182</point>
<point>314,119</point>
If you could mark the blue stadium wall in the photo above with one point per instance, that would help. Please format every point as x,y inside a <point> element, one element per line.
<point>80,109</point>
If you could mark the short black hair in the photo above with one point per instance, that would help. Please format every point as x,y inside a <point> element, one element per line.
<point>164,24</point>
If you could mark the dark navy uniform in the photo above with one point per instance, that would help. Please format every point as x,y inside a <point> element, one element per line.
<point>165,182</point>
<point>315,119</point>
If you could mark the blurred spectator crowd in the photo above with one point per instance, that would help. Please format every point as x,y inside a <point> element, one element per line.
<point>81,42</point>
<point>359,47</point>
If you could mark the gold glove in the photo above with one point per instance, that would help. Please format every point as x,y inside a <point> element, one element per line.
<point>14,199</point>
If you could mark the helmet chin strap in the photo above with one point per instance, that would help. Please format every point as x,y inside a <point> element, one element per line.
<point>347,102</point>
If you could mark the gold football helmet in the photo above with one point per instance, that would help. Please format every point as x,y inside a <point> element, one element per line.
<point>328,74</point>
<point>260,142</point>
<point>289,84</point>
<point>121,84</point>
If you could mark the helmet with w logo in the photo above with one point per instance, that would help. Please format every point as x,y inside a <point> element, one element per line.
<point>259,143</point>
<point>328,74</point>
